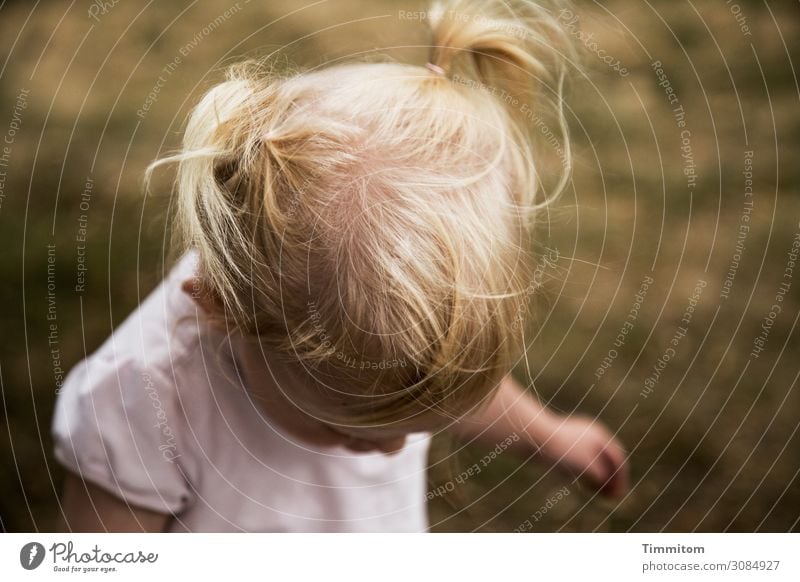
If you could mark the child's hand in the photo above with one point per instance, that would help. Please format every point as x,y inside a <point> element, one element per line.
<point>585,448</point>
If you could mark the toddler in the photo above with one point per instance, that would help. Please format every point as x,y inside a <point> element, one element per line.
<point>353,262</point>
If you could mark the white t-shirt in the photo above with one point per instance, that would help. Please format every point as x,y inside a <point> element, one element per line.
<point>158,417</point>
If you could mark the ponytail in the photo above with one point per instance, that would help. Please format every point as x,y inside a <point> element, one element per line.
<point>242,174</point>
<point>363,215</point>
<point>519,53</point>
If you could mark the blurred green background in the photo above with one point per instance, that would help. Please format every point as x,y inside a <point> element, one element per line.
<point>714,444</point>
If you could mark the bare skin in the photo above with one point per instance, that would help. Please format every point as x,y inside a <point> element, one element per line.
<point>89,508</point>
<point>579,446</point>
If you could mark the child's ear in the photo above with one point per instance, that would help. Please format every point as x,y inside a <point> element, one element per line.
<point>207,300</point>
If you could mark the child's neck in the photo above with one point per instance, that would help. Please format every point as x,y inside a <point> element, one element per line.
<point>282,395</point>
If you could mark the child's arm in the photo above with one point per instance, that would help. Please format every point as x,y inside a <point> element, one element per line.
<point>579,445</point>
<point>89,508</point>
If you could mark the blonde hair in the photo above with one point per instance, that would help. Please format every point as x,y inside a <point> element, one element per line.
<point>370,221</point>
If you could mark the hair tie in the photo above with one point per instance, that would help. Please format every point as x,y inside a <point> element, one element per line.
<point>436,69</point>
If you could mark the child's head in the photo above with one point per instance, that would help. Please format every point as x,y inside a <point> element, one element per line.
<point>369,222</point>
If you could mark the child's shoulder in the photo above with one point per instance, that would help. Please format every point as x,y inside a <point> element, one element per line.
<point>151,351</point>
<point>118,419</point>
<point>162,333</point>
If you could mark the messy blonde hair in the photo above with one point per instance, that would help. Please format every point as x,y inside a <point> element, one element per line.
<point>370,221</point>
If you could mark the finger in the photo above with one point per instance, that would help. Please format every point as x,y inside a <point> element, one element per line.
<point>616,484</point>
<point>597,472</point>
<point>620,457</point>
<point>601,475</point>
<point>615,480</point>
<point>616,453</point>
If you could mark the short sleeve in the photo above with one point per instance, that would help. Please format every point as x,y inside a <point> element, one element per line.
<point>118,425</point>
